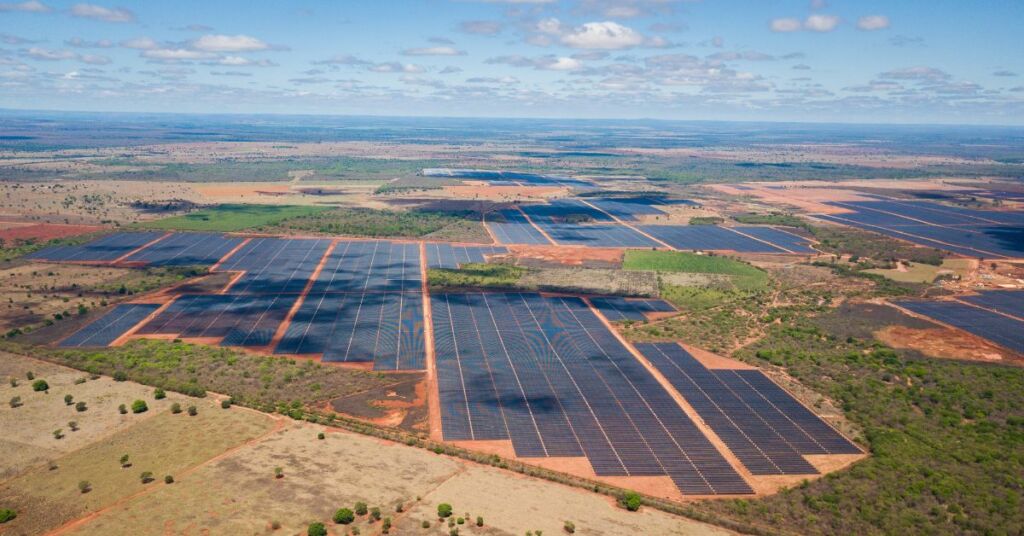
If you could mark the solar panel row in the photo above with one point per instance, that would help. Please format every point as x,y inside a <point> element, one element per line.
<point>275,265</point>
<point>248,320</point>
<point>104,249</point>
<point>778,237</point>
<point>618,308</point>
<point>627,209</point>
<point>597,235</point>
<point>515,229</point>
<point>107,328</point>
<point>995,327</point>
<point>766,439</point>
<point>450,256</point>
<point>386,328</point>
<point>547,374</point>
<point>370,266</point>
<point>708,238</point>
<point>186,249</point>
<point>1010,302</point>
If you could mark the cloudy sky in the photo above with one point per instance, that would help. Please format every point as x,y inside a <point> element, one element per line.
<point>911,61</point>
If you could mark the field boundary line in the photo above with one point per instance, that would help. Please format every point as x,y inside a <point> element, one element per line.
<point>537,227</point>
<point>430,363</point>
<point>621,222</point>
<point>123,338</point>
<point>959,299</point>
<point>140,248</point>
<point>752,237</point>
<point>282,328</point>
<point>245,241</point>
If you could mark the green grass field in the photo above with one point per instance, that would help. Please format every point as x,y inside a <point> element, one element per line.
<point>744,275</point>
<point>232,217</point>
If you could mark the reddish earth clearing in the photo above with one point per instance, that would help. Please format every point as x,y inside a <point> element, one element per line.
<point>11,232</point>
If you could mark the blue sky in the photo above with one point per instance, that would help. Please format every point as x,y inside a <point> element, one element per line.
<point>937,61</point>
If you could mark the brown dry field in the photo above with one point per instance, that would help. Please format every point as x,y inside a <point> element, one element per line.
<point>11,232</point>
<point>568,255</point>
<point>237,494</point>
<point>34,292</point>
<point>946,343</point>
<point>504,193</point>
<point>810,153</point>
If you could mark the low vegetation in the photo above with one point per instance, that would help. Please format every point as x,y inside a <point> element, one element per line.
<point>266,382</point>
<point>742,274</point>
<point>437,225</point>
<point>475,275</point>
<point>232,217</point>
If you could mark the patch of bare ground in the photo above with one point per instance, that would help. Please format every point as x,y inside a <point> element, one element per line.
<point>157,441</point>
<point>563,255</point>
<point>401,404</point>
<point>504,193</point>
<point>592,281</point>
<point>947,343</point>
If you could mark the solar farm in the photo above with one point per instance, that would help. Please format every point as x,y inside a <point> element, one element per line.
<point>545,374</point>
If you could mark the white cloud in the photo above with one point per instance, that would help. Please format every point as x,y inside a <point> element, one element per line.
<point>395,67</point>
<point>786,25</point>
<point>342,59</point>
<point>544,63</point>
<point>550,26</point>
<point>140,43</point>
<point>606,35</point>
<point>821,23</point>
<point>78,42</point>
<point>433,51</point>
<point>228,43</point>
<point>814,23</point>
<point>31,6</point>
<point>873,22</point>
<point>175,54</point>
<point>919,74</point>
<point>564,64</point>
<point>46,54</point>
<point>481,27</point>
<point>94,59</point>
<point>106,14</point>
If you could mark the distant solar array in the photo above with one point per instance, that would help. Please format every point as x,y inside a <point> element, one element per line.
<point>713,237</point>
<point>248,320</point>
<point>370,266</point>
<point>107,328</point>
<point>618,308</point>
<point>998,328</point>
<point>971,232</point>
<point>571,222</point>
<point>450,256</point>
<point>105,249</point>
<point>1009,302</point>
<point>767,429</point>
<point>504,177</point>
<point>275,265</point>
<point>547,374</point>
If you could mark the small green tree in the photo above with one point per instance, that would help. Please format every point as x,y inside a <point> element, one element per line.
<point>168,479</point>
<point>73,425</point>
<point>192,411</point>
<point>58,434</point>
<point>14,382</point>
<point>361,508</point>
<point>386,526</point>
<point>344,516</point>
<point>125,463</point>
<point>80,406</point>
<point>278,472</point>
<point>120,376</point>
<point>316,529</point>
<point>444,510</point>
<point>460,521</point>
<point>16,402</point>
<point>175,408</point>
<point>425,524</point>
<point>375,514</point>
<point>225,404</point>
<point>569,527</point>
<point>631,501</point>
<point>122,409</point>
<point>320,435</point>
<point>159,394</point>
<point>6,514</point>
<point>139,406</point>
<point>30,375</point>
<point>68,400</point>
<point>146,477</point>
<point>479,521</point>
<point>40,386</point>
<point>84,486</point>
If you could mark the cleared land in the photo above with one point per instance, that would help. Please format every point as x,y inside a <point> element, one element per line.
<point>432,225</point>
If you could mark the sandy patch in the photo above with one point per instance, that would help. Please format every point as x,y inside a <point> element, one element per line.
<point>14,231</point>
<point>946,343</point>
<point>569,255</point>
<point>503,193</point>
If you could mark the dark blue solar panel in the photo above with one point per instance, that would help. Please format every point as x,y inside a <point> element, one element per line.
<point>707,238</point>
<point>780,238</point>
<point>618,308</point>
<point>515,229</point>
<point>186,249</point>
<point>1009,302</point>
<point>106,249</point>
<point>450,256</point>
<point>107,328</point>
<point>995,327</point>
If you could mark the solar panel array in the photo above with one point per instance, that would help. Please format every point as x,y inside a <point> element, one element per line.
<point>275,265</point>
<point>504,177</point>
<point>778,237</point>
<point>708,238</point>
<point>617,308</point>
<point>186,249</point>
<point>767,429</point>
<point>971,232</point>
<point>106,249</point>
<point>107,328</point>
<point>450,256</point>
<point>386,328</point>
<point>547,374</point>
<point>370,266</point>
<point>627,209</point>
<point>247,320</point>
<point>1009,302</point>
<point>516,229</point>
<point>995,327</point>
<point>556,219</point>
